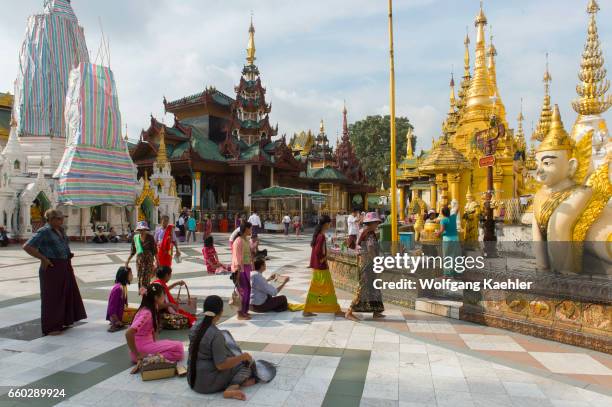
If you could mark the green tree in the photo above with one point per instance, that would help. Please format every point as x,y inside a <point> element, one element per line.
<point>371,138</point>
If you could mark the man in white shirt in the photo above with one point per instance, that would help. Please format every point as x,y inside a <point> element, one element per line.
<point>353,228</point>
<point>256,222</point>
<point>286,223</point>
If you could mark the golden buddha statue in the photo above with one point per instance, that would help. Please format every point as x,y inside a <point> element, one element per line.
<point>470,218</point>
<point>564,210</point>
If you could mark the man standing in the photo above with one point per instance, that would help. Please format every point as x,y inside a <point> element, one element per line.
<point>286,223</point>
<point>180,223</point>
<point>255,221</point>
<point>353,228</point>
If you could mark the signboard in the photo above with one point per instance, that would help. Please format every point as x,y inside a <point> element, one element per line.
<point>486,161</point>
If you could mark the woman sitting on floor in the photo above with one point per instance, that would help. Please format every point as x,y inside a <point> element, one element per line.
<point>118,299</point>
<point>263,294</point>
<point>170,305</point>
<point>212,366</point>
<point>213,265</point>
<point>141,336</point>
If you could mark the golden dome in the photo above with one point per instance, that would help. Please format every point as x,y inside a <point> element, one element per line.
<point>443,158</point>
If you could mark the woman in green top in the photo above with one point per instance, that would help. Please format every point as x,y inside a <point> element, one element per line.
<point>143,246</point>
<point>450,240</point>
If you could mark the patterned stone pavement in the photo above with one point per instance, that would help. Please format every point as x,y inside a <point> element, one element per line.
<point>410,359</point>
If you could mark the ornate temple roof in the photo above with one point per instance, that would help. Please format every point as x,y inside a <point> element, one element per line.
<point>443,158</point>
<point>208,95</point>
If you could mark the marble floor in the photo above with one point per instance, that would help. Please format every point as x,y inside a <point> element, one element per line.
<point>410,359</point>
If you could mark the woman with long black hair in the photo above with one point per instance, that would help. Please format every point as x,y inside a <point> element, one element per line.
<point>321,295</point>
<point>212,366</point>
<point>142,334</point>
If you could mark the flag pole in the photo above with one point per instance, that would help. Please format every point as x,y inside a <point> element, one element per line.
<point>393,186</point>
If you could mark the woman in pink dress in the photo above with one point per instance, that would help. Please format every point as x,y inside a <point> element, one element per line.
<point>142,334</point>
<point>211,259</point>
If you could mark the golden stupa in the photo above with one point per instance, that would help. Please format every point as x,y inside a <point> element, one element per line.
<point>478,100</point>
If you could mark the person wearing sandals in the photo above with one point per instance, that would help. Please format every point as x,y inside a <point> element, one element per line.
<point>118,299</point>
<point>367,298</point>
<point>212,366</point>
<point>242,264</point>
<point>321,295</point>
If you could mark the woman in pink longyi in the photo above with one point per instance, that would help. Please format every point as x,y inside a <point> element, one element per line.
<point>142,334</point>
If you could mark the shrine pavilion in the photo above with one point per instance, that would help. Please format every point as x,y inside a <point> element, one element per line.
<point>221,149</point>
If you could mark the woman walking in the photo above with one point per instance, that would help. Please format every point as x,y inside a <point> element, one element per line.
<point>60,300</point>
<point>367,298</point>
<point>143,246</point>
<point>242,264</point>
<point>450,238</point>
<point>321,295</point>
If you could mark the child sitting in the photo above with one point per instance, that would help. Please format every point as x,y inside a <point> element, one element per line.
<point>263,294</point>
<point>255,252</point>
<point>213,265</point>
<point>118,299</point>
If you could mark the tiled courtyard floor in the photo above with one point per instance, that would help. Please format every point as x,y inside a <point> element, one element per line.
<point>410,359</point>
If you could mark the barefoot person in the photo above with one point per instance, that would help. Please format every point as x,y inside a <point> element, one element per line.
<point>61,303</point>
<point>242,264</point>
<point>212,366</point>
<point>367,298</point>
<point>321,295</point>
<point>118,299</point>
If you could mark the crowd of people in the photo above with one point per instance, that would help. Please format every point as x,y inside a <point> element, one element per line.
<point>214,364</point>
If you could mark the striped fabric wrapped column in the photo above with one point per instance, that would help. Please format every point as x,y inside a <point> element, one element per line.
<point>96,168</point>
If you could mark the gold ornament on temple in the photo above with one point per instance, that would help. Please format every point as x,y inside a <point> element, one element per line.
<point>593,83</point>
<point>546,113</point>
<point>251,44</point>
<point>162,154</point>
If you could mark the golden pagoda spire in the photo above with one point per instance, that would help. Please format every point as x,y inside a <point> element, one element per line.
<point>545,115</point>
<point>491,54</point>
<point>251,44</point>
<point>162,155</point>
<point>321,127</point>
<point>479,93</point>
<point>520,135</point>
<point>465,82</point>
<point>452,99</point>
<point>594,85</point>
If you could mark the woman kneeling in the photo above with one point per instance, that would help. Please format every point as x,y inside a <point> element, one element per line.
<point>212,366</point>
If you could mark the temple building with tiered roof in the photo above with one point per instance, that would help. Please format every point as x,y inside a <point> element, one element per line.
<point>221,149</point>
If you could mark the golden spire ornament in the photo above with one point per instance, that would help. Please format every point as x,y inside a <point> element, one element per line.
<point>593,85</point>
<point>546,113</point>
<point>479,92</point>
<point>409,151</point>
<point>162,155</point>
<point>251,44</point>
<point>491,54</point>
<point>520,135</point>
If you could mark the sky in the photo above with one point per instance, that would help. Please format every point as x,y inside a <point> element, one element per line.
<point>315,55</point>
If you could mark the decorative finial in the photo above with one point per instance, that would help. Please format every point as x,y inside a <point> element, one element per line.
<point>557,138</point>
<point>543,125</point>
<point>251,43</point>
<point>162,155</point>
<point>592,98</point>
<point>481,18</point>
<point>321,127</point>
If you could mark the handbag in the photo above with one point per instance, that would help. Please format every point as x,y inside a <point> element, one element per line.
<point>174,321</point>
<point>128,315</point>
<point>189,304</point>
